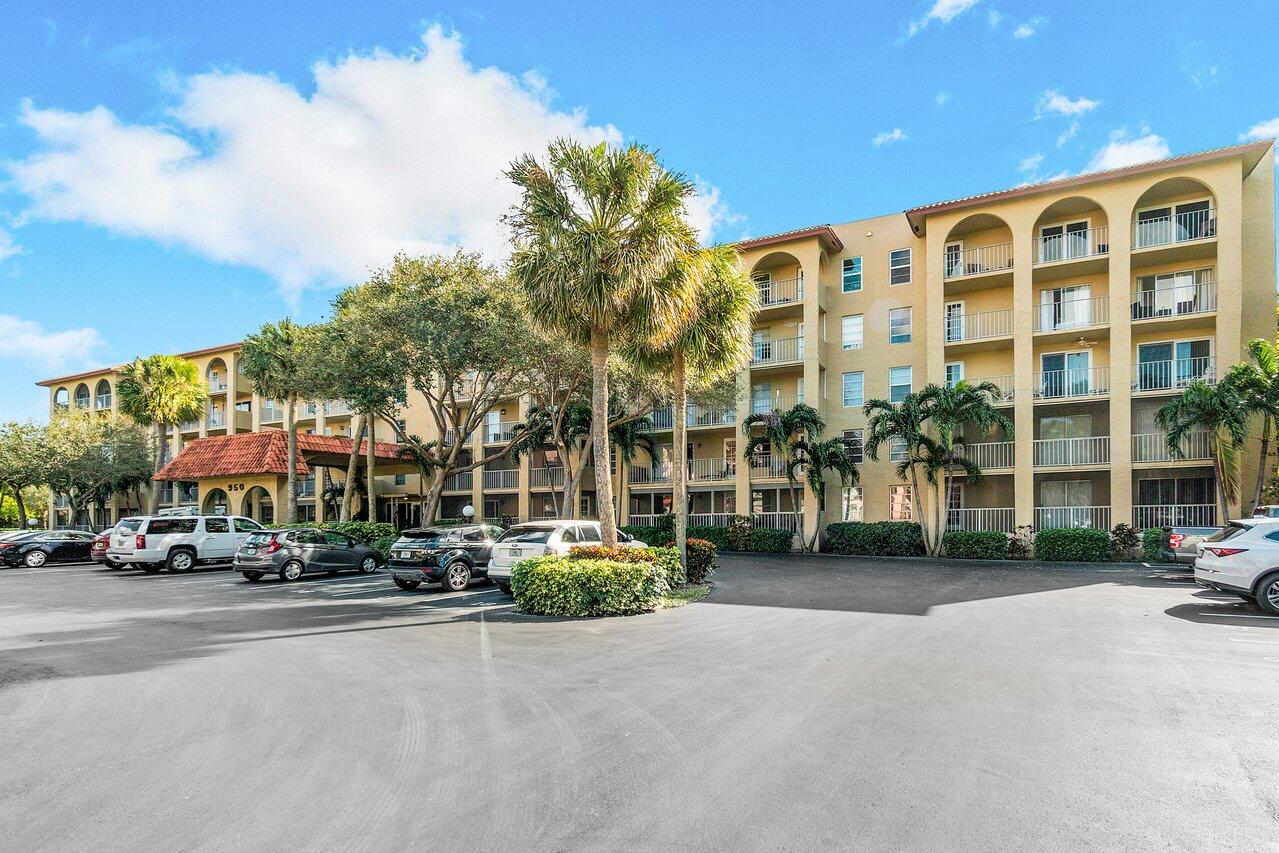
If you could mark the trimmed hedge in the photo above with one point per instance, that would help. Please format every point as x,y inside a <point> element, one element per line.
<point>760,539</point>
<point>572,586</point>
<point>365,532</point>
<point>769,541</point>
<point>720,537</point>
<point>975,545</point>
<point>644,533</point>
<point>876,539</point>
<point>1078,545</point>
<point>1153,542</point>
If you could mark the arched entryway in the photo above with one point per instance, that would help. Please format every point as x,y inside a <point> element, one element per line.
<point>258,505</point>
<point>215,503</point>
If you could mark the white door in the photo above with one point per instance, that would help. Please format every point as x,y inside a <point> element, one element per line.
<point>800,343</point>
<point>954,321</point>
<point>954,259</point>
<point>218,541</point>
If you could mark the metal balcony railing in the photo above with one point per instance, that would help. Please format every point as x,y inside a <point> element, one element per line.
<point>643,475</point>
<point>979,326</point>
<point>1175,228</point>
<point>702,416</point>
<point>502,478</point>
<point>709,519</point>
<point>1072,246</point>
<point>767,467</point>
<point>334,408</point>
<point>1055,517</point>
<point>499,432</point>
<point>217,383</point>
<point>1068,452</point>
<point>1174,515</point>
<point>1072,314</point>
<point>781,292</point>
<point>1175,301</point>
<point>461,482</point>
<point>778,351</point>
<point>1173,374</point>
<point>1003,383</point>
<point>216,420</point>
<point>984,519</point>
<point>707,470</point>
<point>777,520</point>
<point>778,403</point>
<point>991,454</point>
<point>979,260</point>
<point>545,478</point>
<point>1072,382</point>
<point>1153,447</point>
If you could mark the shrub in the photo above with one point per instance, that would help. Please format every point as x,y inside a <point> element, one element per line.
<point>1019,544</point>
<point>720,537</point>
<point>364,532</point>
<point>739,531</point>
<point>1124,541</point>
<point>769,541</point>
<point>1073,544</point>
<point>568,586</point>
<point>383,546</point>
<point>975,545</point>
<point>701,560</point>
<point>876,539</point>
<point>667,559</point>
<point>666,525</point>
<point>644,533</point>
<point>1153,542</point>
<point>618,554</point>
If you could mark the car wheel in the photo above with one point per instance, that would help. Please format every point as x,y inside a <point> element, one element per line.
<point>505,587</point>
<point>457,577</point>
<point>403,584</point>
<point>180,560</point>
<point>368,565</point>
<point>151,568</point>
<point>35,559</point>
<point>252,576</point>
<point>291,571</point>
<point>1268,594</point>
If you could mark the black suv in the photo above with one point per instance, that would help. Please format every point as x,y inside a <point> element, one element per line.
<point>447,555</point>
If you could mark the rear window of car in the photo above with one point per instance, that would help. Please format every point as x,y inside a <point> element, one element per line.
<point>130,524</point>
<point>532,535</point>
<point>260,538</point>
<point>171,525</point>
<point>426,534</point>
<point>1228,532</point>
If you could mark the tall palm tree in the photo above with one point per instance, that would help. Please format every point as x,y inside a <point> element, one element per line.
<point>597,234</point>
<point>712,345</point>
<point>780,433</point>
<point>817,457</point>
<point>1259,384</point>
<point>902,423</point>
<point>1218,410</point>
<point>274,361</point>
<point>160,392</point>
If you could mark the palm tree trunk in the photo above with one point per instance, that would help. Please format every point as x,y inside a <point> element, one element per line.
<point>1219,468</point>
<point>369,463</point>
<point>599,435</point>
<point>161,441</point>
<point>352,466</point>
<point>1261,467</point>
<point>291,426</point>
<point>919,509</point>
<point>679,470</point>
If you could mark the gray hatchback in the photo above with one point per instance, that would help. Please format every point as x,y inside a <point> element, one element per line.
<point>294,552</point>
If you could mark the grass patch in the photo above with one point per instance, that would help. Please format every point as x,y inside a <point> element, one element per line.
<point>683,595</point>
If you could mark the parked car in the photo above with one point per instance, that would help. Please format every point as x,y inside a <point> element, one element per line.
<point>1183,544</point>
<point>98,550</point>
<point>452,556</point>
<point>293,552</point>
<point>1243,558</point>
<point>178,542</point>
<point>536,538</point>
<point>34,549</point>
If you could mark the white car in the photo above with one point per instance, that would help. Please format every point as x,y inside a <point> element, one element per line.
<point>537,538</point>
<point>178,542</point>
<point>1243,558</point>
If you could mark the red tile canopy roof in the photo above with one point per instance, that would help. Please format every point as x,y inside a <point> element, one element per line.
<point>261,453</point>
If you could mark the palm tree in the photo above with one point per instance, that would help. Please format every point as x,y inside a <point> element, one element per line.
<point>902,423</point>
<point>160,392</point>
<point>1259,384</point>
<point>818,457</point>
<point>274,361</point>
<point>597,235</point>
<point>712,345</point>
<point>781,433</point>
<point>1218,410</point>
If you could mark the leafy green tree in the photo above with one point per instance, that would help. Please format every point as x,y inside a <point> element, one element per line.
<point>901,424</point>
<point>23,462</point>
<point>1258,384</point>
<point>1220,411</point>
<point>597,233</point>
<point>817,456</point>
<point>783,434</point>
<point>92,457</point>
<point>159,392</point>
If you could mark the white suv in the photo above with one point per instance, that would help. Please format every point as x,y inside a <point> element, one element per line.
<point>538,538</point>
<point>1243,558</point>
<point>178,542</point>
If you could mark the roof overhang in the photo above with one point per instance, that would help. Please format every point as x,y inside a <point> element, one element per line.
<point>829,239</point>
<point>62,380</point>
<point>251,454</point>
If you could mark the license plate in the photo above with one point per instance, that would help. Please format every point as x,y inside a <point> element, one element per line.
<point>402,555</point>
<point>250,551</point>
<point>515,552</point>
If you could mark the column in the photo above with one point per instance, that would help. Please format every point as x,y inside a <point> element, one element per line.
<point>524,498</point>
<point>256,406</point>
<point>1023,378</point>
<point>810,263</point>
<point>231,425</point>
<point>742,478</point>
<point>1121,358</point>
<point>477,475</point>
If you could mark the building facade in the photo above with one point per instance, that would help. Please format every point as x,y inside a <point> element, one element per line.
<point>1089,302</point>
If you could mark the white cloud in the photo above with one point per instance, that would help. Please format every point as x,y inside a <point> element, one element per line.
<point>1068,134</point>
<point>1029,168</point>
<point>941,98</point>
<point>1124,149</point>
<point>941,10</point>
<point>1031,163</point>
<point>885,137</point>
<point>8,248</point>
<point>27,340</point>
<point>1053,102</point>
<point>1028,29</point>
<point>1268,129</point>
<point>708,213</point>
<point>392,152</point>
<point>993,17</point>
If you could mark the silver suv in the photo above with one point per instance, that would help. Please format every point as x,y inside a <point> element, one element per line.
<point>178,542</point>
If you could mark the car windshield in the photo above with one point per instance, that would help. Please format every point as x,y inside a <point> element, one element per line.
<point>260,538</point>
<point>1230,531</point>
<point>129,524</point>
<point>539,535</point>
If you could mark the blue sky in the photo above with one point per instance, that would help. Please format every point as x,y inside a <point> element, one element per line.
<point>172,179</point>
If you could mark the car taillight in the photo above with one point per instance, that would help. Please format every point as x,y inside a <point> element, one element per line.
<point>1226,552</point>
<point>5,546</point>
<point>1175,539</point>
<point>273,546</point>
<point>140,542</point>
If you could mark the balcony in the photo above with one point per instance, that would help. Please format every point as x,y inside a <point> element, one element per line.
<point>1167,303</point>
<point>777,520</point>
<point>978,261</point>
<point>990,455</point>
<point>216,420</point>
<point>189,426</point>
<point>1072,314</point>
<point>461,482</point>
<point>711,470</point>
<point>502,478</point>
<point>982,519</point>
<point>1171,376</point>
<point>104,401</point>
<point>1072,246</point>
<point>272,415</point>
<point>648,475</point>
<point>663,419</point>
<point>499,433</point>
<point>777,351</point>
<point>336,408</point>
<point>1057,517</point>
<point>767,467</point>
<point>783,292</point>
<point>1175,228</point>
<point>1153,447</point>
<point>1072,383</point>
<point>546,478</point>
<point>701,416</point>
<point>709,519</point>
<point>1005,385</point>
<point>1072,452</point>
<point>779,403</point>
<point>217,384</point>
<point>983,325</point>
<point>1174,515</point>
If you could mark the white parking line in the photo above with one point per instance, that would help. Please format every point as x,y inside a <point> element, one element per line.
<point>1238,616</point>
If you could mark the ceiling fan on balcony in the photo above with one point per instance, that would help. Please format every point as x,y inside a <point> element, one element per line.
<point>1085,342</point>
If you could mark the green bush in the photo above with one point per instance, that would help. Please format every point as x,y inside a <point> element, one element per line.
<point>1153,542</point>
<point>975,545</point>
<point>720,537</point>
<point>876,539</point>
<point>565,586</point>
<point>1124,542</point>
<point>668,562</point>
<point>769,541</point>
<point>1073,544</point>
<point>364,532</point>
<point>701,560</point>
<point>383,546</point>
<point>642,532</point>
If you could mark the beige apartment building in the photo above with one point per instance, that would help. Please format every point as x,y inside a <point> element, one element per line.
<point>1089,301</point>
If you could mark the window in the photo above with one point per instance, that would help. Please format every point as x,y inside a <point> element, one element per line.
<point>899,266</point>
<point>852,274</point>
<point>851,502</point>
<point>954,373</point>
<point>899,503</point>
<point>854,385</point>
<point>897,449</point>
<point>400,479</point>
<point>588,533</point>
<point>899,379</point>
<point>851,331</point>
<point>899,326</point>
<point>171,525</point>
<point>855,445</point>
<point>245,525</point>
<point>217,525</point>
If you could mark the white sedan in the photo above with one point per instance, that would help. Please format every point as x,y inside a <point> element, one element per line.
<point>1243,558</point>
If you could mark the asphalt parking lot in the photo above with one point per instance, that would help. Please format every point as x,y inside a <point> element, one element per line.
<point>807,702</point>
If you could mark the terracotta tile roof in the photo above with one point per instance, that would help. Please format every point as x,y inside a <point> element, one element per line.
<point>259,453</point>
<point>823,232</point>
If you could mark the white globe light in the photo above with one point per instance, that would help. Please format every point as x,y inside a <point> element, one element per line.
<point>468,511</point>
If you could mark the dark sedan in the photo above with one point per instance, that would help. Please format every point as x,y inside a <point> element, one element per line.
<point>35,548</point>
<point>451,556</point>
<point>294,552</point>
